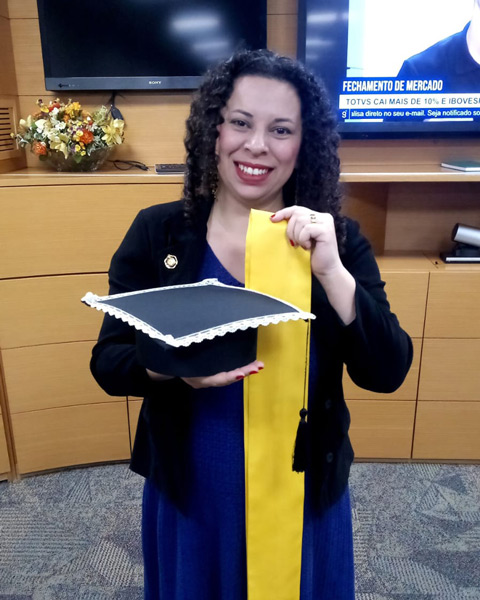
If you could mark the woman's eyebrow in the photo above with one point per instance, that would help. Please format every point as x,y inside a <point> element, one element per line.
<point>249,115</point>
<point>243,112</point>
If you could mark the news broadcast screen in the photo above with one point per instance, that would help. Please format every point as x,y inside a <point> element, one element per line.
<point>405,67</point>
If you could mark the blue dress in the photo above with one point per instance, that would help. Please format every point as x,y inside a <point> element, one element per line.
<point>200,554</point>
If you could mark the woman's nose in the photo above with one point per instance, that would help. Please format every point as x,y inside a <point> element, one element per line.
<point>256,143</point>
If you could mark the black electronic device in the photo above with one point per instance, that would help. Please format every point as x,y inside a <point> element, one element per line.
<point>170,168</point>
<point>147,44</point>
<point>467,245</point>
<point>362,50</point>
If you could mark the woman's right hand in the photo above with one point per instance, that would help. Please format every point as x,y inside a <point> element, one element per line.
<point>224,378</point>
<point>217,380</point>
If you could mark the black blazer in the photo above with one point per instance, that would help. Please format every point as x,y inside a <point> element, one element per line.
<point>375,350</point>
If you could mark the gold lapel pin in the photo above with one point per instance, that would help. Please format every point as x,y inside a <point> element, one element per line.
<point>171,261</point>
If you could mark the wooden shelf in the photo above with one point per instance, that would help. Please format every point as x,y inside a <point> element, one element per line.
<point>404,172</point>
<point>350,173</point>
<point>32,177</point>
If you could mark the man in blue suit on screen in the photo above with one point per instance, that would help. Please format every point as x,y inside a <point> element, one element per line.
<point>455,59</point>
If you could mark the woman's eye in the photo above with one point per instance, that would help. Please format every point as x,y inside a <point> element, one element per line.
<point>282,131</point>
<point>239,123</point>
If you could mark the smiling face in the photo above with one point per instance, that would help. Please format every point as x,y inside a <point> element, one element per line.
<point>258,142</point>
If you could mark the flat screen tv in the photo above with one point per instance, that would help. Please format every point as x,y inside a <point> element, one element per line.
<point>396,69</point>
<point>143,44</point>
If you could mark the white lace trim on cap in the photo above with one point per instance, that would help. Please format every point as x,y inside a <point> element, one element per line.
<point>99,302</point>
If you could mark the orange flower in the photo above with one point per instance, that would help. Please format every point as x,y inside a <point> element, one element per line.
<point>87,137</point>
<point>38,148</point>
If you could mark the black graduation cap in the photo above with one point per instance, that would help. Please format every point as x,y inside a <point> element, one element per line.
<point>196,329</point>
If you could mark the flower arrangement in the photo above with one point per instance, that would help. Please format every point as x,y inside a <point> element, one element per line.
<point>69,137</point>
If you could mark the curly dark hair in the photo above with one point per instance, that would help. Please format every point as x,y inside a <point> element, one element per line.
<point>314,182</point>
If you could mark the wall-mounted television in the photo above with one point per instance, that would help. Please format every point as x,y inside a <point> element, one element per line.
<point>396,69</point>
<point>143,44</point>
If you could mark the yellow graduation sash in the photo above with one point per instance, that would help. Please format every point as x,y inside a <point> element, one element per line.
<point>272,400</point>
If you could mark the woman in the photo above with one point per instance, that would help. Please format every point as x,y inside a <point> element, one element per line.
<point>260,135</point>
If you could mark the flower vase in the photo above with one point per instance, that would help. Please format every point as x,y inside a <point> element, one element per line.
<point>86,163</point>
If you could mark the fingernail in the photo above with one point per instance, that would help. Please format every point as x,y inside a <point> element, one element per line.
<point>293,243</point>
<point>260,368</point>
<point>253,372</point>
<point>239,377</point>
<point>273,216</point>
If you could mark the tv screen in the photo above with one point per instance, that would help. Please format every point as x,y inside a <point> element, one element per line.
<point>143,44</point>
<point>396,69</point>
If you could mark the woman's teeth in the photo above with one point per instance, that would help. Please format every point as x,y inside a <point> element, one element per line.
<point>251,171</point>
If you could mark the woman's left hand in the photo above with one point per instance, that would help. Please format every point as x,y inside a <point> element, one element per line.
<point>313,231</point>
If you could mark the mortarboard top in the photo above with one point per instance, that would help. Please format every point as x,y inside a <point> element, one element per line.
<point>196,329</point>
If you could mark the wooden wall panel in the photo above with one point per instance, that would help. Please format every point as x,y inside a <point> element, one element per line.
<point>22,9</point>
<point>8,83</point>
<point>75,435</point>
<point>407,391</point>
<point>450,370</point>
<point>282,34</point>
<point>48,310</point>
<point>155,127</point>
<point>421,217</point>
<point>407,152</point>
<point>61,374</point>
<point>453,305</point>
<point>27,52</point>
<point>367,204</point>
<point>11,158</point>
<point>67,229</point>
<point>282,7</point>
<point>447,430</point>
<point>381,429</point>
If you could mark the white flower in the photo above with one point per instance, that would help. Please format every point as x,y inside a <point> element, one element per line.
<point>40,124</point>
<point>26,124</point>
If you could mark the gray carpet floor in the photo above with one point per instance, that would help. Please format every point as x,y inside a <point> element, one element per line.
<point>75,535</point>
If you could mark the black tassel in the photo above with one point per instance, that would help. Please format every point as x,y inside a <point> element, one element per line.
<point>300,451</point>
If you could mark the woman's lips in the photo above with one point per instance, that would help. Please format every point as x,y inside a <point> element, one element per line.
<point>252,174</point>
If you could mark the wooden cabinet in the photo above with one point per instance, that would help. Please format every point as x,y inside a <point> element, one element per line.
<point>74,228</point>
<point>448,413</point>
<point>382,428</point>
<point>6,470</point>
<point>454,303</point>
<point>447,431</point>
<point>382,424</point>
<point>71,435</point>
<point>56,242</point>
<point>4,459</point>
<point>450,370</point>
